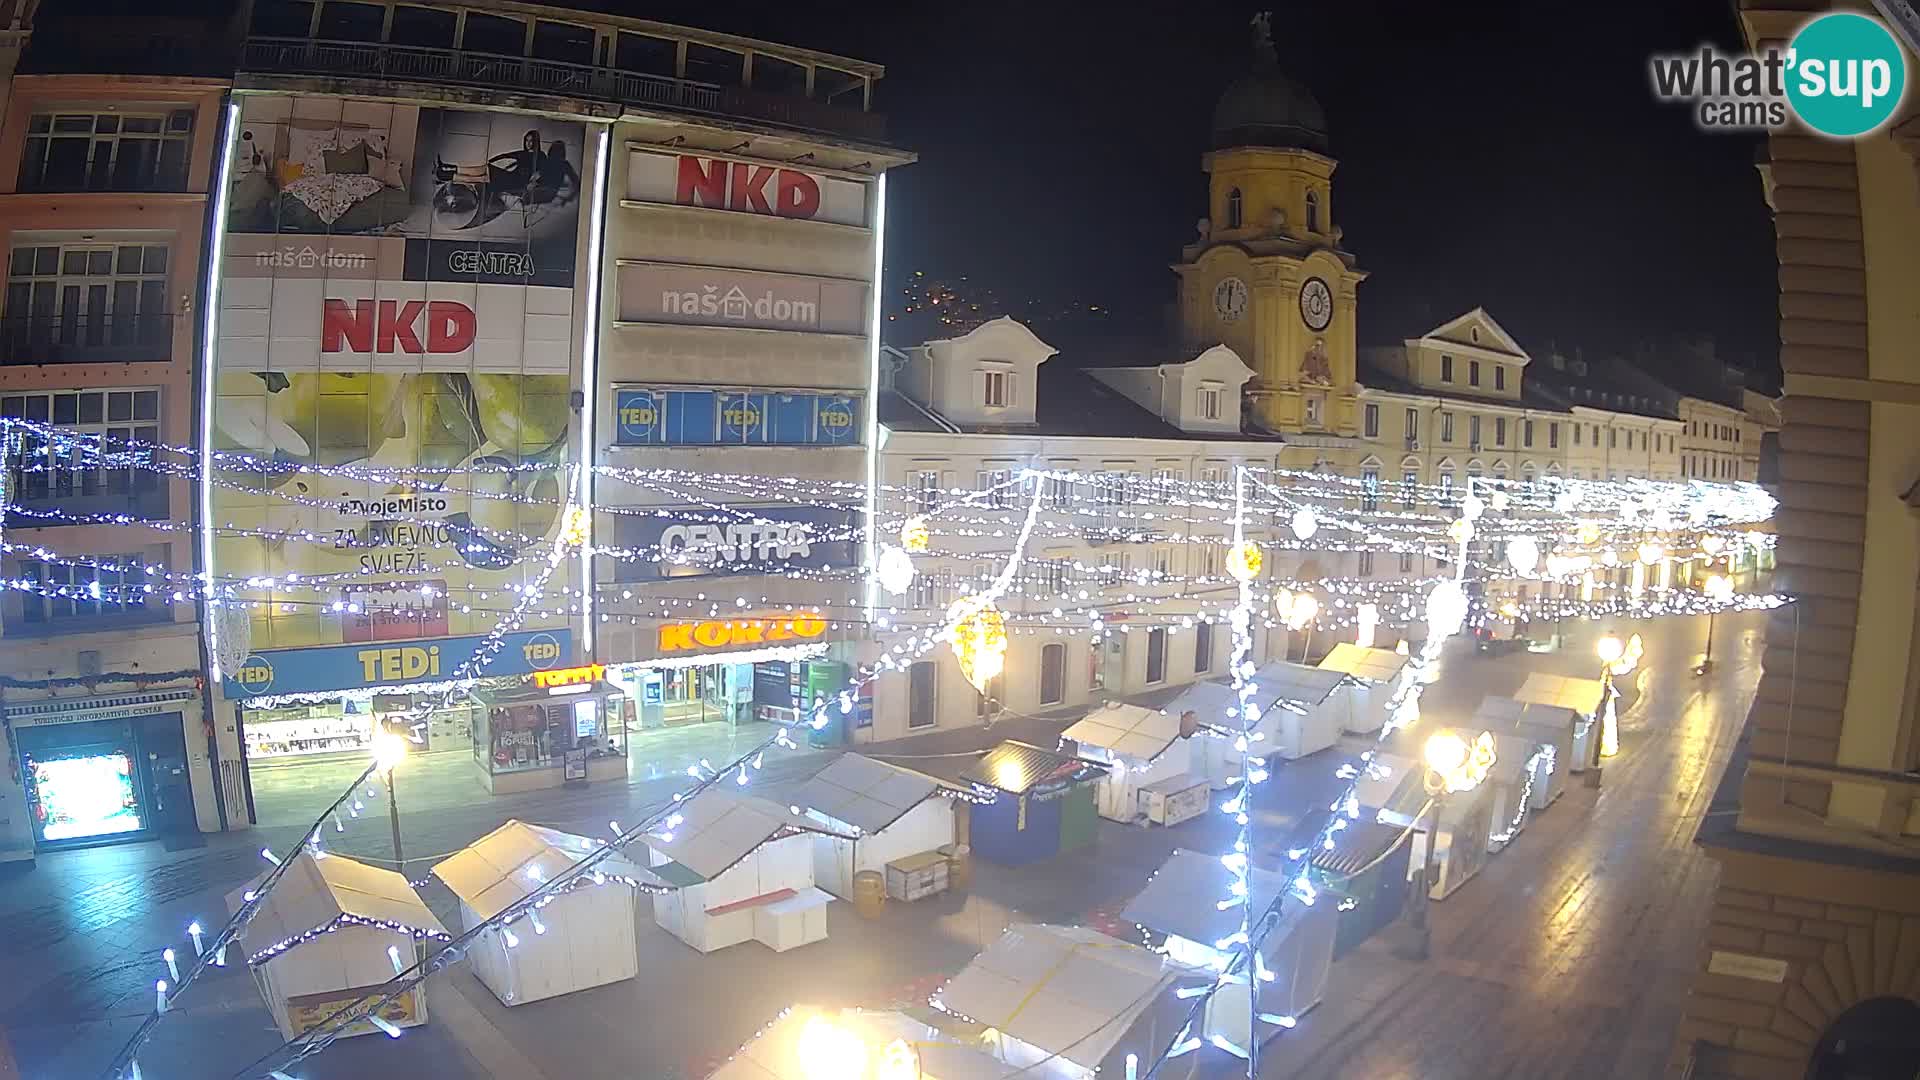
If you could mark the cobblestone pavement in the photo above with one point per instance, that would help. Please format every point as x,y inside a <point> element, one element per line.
<point>1567,957</point>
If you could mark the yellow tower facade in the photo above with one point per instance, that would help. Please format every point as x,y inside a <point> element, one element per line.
<point>1266,276</point>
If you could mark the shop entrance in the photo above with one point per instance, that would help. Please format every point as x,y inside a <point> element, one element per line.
<point>105,781</point>
<point>716,693</point>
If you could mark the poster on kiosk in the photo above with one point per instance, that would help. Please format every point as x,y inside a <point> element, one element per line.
<point>395,359</point>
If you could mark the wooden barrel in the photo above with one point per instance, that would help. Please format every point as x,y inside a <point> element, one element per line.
<point>869,893</point>
<point>959,866</point>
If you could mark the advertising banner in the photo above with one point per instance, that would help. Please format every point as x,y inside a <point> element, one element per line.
<point>785,537</point>
<point>649,417</point>
<point>745,187</point>
<point>716,296</point>
<point>398,299</point>
<point>302,671</point>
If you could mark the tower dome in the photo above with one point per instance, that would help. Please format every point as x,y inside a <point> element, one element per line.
<point>1265,108</point>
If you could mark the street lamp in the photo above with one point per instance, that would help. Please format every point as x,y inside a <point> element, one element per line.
<point>1719,589</point>
<point>1453,765</point>
<point>389,750</point>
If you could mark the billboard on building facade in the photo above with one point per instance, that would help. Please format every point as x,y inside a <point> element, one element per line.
<point>765,539</point>
<point>717,296</point>
<point>747,187</point>
<point>398,301</point>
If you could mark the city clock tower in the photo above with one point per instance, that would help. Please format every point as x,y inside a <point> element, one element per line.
<point>1267,276</point>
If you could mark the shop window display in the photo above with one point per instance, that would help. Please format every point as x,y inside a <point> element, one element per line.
<point>84,795</point>
<point>520,736</point>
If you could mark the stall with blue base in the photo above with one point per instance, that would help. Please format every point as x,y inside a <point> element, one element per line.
<point>1043,803</point>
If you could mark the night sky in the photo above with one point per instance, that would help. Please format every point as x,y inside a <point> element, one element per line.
<point>1494,153</point>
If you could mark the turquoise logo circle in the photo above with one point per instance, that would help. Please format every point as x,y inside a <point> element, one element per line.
<point>542,651</point>
<point>255,675</point>
<point>1846,74</point>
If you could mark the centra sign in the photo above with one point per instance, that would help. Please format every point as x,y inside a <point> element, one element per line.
<point>717,633</point>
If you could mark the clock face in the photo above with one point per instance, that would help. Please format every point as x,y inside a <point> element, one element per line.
<point>1316,304</point>
<point>1230,298</point>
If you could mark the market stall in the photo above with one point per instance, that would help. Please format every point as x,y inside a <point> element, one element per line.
<point>581,937</point>
<point>1546,735</point>
<point>1182,901</point>
<point>1043,803</point>
<point>1067,1003</point>
<point>1507,787</point>
<point>1583,697</point>
<point>1150,760</point>
<point>852,1044</point>
<point>1392,790</point>
<point>566,725</point>
<point>1373,675</point>
<point>328,934</point>
<point>878,814</point>
<point>743,871</point>
<point>1297,717</point>
<point>1368,870</point>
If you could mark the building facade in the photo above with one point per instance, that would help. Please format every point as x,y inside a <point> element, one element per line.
<point>105,172</point>
<point>1809,968</point>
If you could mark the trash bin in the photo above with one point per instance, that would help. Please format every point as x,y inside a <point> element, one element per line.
<point>869,893</point>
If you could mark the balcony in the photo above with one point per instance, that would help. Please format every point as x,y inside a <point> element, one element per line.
<point>85,339</point>
<point>458,67</point>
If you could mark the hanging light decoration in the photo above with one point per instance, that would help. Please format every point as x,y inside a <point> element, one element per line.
<point>1301,610</point>
<point>978,632</point>
<point>1446,609</point>
<point>1650,553</point>
<point>1304,523</point>
<point>1460,531</point>
<point>1366,620</point>
<point>1713,543</point>
<point>1523,554</point>
<point>1282,602</point>
<point>1587,533</point>
<point>1244,561</point>
<point>914,535</point>
<point>1472,506</point>
<point>894,570</point>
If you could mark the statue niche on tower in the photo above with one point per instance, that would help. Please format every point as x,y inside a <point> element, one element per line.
<point>1314,367</point>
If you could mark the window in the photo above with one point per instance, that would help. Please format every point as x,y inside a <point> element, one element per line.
<point>1372,414</point>
<point>1446,482</point>
<point>1446,368</point>
<point>1366,563</point>
<point>1114,566</point>
<point>1059,494</point>
<point>88,302</point>
<point>1553,436</point>
<point>1596,435</point>
<point>1203,648</point>
<point>1315,404</point>
<point>1370,484</point>
<point>1613,438</point>
<point>1499,376</point>
<point>1526,432</point>
<point>69,473</point>
<point>1446,427</point>
<point>926,485</point>
<point>1409,482</point>
<point>929,592</point>
<point>1413,425</point>
<point>1577,429</point>
<point>109,151</point>
<point>102,590</point>
<point>1156,655</point>
<point>1473,373</point>
<point>1167,482</point>
<point>1235,209</point>
<point>1406,562</point>
<point>996,483</point>
<point>494,34</point>
<point>1473,333</point>
<point>1054,575</point>
<point>1209,403</point>
<point>996,389</point>
<point>1499,431</point>
<point>350,22</point>
<point>1473,430</point>
<point>427,28</point>
<point>1053,674</point>
<point>922,679</point>
<point>1112,490</point>
<point>708,64</point>
<point>1313,211</point>
<point>1210,558</point>
<point>1163,560</point>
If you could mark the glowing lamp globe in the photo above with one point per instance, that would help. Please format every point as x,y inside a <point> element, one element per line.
<point>389,749</point>
<point>1650,553</point>
<point>1445,753</point>
<point>1610,649</point>
<point>1302,610</point>
<point>914,535</point>
<point>1587,533</point>
<point>979,635</point>
<point>1304,524</point>
<point>1472,506</point>
<point>1460,531</point>
<point>1719,587</point>
<point>1446,609</point>
<point>1244,561</point>
<point>829,1052</point>
<point>1523,554</point>
<point>895,570</point>
<point>1713,543</point>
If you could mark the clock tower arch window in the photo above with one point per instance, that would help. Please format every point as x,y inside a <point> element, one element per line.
<point>1236,211</point>
<point>1313,211</point>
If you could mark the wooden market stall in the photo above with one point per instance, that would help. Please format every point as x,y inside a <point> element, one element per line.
<point>853,1044</point>
<point>579,938</point>
<point>1584,697</point>
<point>1547,735</point>
<point>1372,677</point>
<point>1182,901</point>
<point>1068,1003</point>
<point>1043,803</point>
<point>879,815</point>
<point>742,868</point>
<point>1150,759</point>
<point>327,935</point>
<point>1392,790</point>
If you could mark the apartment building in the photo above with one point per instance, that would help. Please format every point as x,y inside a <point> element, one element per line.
<point>107,145</point>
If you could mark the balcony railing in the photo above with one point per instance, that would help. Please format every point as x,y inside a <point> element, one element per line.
<point>1864,808</point>
<point>407,63</point>
<point>142,497</point>
<point>85,339</point>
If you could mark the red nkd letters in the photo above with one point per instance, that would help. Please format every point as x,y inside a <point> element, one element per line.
<point>390,326</point>
<point>736,185</point>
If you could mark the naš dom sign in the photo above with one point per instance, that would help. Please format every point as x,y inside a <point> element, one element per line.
<point>728,633</point>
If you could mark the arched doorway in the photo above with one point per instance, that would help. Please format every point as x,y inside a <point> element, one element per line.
<point>1878,1039</point>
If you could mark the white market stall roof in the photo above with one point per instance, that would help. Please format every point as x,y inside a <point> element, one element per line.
<point>867,794</point>
<point>718,828</point>
<point>774,1054</point>
<point>1505,715</point>
<point>1374,665</point>
<point>1392,782</point>
<point>1581,695</point>
<point>324,892</point>
<point>1183,897</point>
<point>1067,990</point>
<point>1131,731</point>
<point>1284,680</point>
<point>1208,701</point>
<point>498,870</point>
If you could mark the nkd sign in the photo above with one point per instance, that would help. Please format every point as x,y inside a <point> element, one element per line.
<point>745,187</point>
<point>710,296</point>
